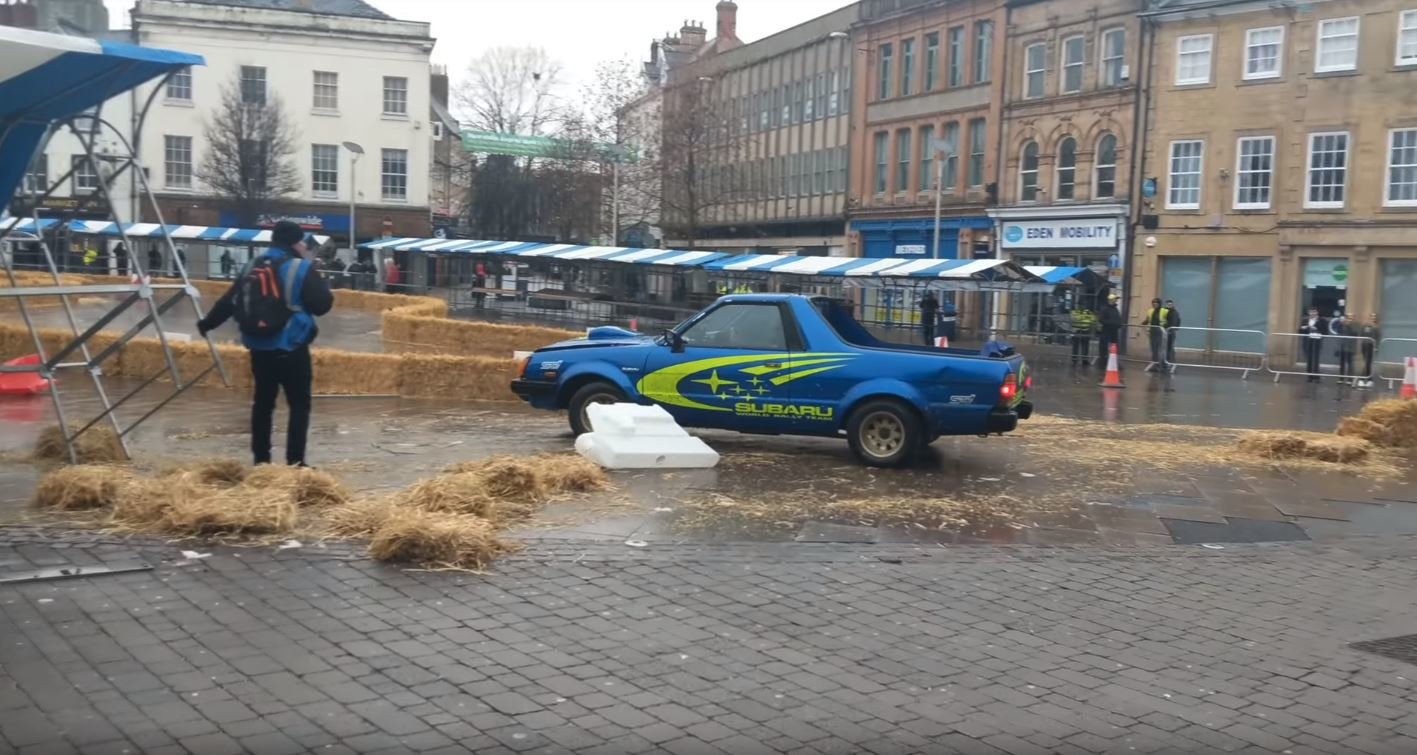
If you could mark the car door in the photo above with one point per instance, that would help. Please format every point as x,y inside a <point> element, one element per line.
<point>717,378</point>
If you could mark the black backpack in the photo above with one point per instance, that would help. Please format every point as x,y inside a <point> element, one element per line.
<point>261,308</point>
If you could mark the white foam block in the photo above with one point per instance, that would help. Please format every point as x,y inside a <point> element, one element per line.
<point>629,436</point>
<point>520,355</point>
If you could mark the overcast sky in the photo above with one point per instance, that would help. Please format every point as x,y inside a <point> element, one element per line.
<point>579,33</point>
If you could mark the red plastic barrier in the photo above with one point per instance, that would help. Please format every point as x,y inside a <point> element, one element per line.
<point>22,383</point>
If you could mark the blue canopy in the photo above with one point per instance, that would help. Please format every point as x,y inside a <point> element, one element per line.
<point>48,77</point>
<point>564,252</point>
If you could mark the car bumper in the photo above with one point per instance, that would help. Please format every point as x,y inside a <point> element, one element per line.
<point>1006,420</point>
<point>531,390</point>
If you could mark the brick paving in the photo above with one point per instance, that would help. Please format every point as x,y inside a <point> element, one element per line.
<point>703,649</point>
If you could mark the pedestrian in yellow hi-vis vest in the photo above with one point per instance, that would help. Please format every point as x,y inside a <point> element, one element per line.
<point>1084,324</point>
<point>90,257</point>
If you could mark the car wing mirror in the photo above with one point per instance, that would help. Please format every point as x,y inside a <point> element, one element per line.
<point>674,341</point>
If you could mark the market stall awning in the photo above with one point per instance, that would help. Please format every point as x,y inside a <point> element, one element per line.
<point>205,233</point>
<point>48,77</point>
<point>566,252</point>
<point>26,225</point>
<point>1053,274</point>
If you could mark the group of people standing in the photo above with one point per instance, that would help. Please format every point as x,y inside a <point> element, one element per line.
<point>1315,327</point>
<point>1105,323</point>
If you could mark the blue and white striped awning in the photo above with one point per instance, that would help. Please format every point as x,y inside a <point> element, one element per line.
<point>49,77</point>
<point>567,252</point>
<point>1054,274</point>
<point>26,225</point>
<point>209,234</point>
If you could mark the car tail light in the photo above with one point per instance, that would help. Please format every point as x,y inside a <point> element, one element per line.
<point>1009,389</point>
<point>1028,383</point>
<point>526,362</point>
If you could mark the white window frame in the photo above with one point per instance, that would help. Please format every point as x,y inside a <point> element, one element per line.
<point>1278,71</point>
<point>1406,24</point>
<point>1388,201</point>
<point>316,84</point>
<point>1058,169</point>
<point>1319,67</point>
<point>315,168</point>
<point>1310,204</point>
<point>389,180</point>
<point>1036,172</point>
<point>1171,174</point>
<point>168,164</point>
<point>437,131</point>
<point>1064,64</point>
<point>1041,72</point>
<point>1240,171</point>
<point>1209,58</point>
<point>1097,165</point>
<point>402,102</point>
<point>1103,60</point>
<point>179,86</point>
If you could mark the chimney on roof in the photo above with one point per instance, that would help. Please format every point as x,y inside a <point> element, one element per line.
<point>727,20</point>
<point>693,34</point>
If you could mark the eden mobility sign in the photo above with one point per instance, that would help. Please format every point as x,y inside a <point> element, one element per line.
<point>1060,234</point>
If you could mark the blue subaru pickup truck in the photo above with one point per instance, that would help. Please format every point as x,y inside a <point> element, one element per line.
<point>783,364</point>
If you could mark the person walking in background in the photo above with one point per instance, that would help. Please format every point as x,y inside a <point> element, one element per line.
<point>479,285</point>
<point>227,263</point>
<point>154,261</point>
<point>1110,333</point>
<point>929,312</point>
<point>1313,328</point>
<point>1372,335</point>
<point>275,301</point>
<point>120,258</point>
<point>392,277</point>
<point>1173,321</point>
<point>1341,329</point>
<point>1155,322</point>
<point>1084,324</point>
<point>949,319</point>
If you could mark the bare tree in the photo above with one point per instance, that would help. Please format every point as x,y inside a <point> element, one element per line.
<point>698,162</point>
<point>510,90</point>
<point>622,116</point>
<point>250,144</point>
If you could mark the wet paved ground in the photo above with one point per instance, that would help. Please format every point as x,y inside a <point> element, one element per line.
<point>742,650</point>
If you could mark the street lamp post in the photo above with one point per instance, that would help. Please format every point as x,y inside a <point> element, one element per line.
<point>355,150</point>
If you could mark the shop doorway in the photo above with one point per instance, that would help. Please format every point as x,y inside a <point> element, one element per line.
<point>1325,287</point>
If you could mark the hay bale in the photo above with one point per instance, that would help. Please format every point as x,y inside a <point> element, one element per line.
<point>359,518</point>
<point>219,473</point>
<point>1302,446</point>
<point>97,445</point>
<point>345,373</point>
<point>240,510</point>
<point>305,488</point>
<point>80,488</point>
<point>571,473</point>
<point>1391,423</point>
<point>144,503</point>
<point>476,494</point>
<point>436,539</point>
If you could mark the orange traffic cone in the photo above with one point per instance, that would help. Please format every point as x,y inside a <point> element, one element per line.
<point>1113,378</point>
<point>635,324</point>
<point>1409,380</point>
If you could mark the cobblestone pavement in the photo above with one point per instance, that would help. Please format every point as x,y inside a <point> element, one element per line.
<point>573,647</point>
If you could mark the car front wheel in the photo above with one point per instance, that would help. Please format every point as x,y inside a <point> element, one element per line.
<point>578,407</point>
<point>884,433</point>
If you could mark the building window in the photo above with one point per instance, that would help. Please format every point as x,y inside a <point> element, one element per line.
<point>907,67</point>
<point>1184,183</point>
<point>1105,167</point>
<point>809,105</point>
<point>1402,168</point>
<point>1028,173</point>
<point>253,85</point>
<point>1338,45</point>
<point>1328,169</point>
<point>85,178</point>
<point>1114,46</point>
<point>932,60</point>
<point>950,147</point>
<point>326,90</point>
<point>833,99</point>
<point>324,170</point>
<point>394,183</point>
<point>955,76</point>
<point>977,138</point>
<point>983,50</point>
<point>880,151</point>
<point>177,162</point>
<point>1035,61</point>
<point>927,157</point>
<point>1254,172</point>
<point>883,86</point>
<point>902,160</point>
<point>1407,38</point>
<point>438,131</point>
<point>179,85</point>
<point>395,95</point>
<point>37,177</point>
<point>821,95</point>
<point>1067,169</point>
<point>765,111</point>
<point>1193,59</point>
<point>1074,48</point>
<point>1264,52</point>
<point>784,94</point>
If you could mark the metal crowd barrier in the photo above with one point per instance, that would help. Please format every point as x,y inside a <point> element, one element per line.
<point>1382,359</point>
<point>1212,358</point>
<point>1325,346</point>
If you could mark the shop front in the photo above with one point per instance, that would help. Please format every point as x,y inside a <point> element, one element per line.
<point>1091,237</point>
<point>913,238</point>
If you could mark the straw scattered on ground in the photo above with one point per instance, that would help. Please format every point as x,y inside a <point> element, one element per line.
<point>965,513</point>
<point>97,445</point>
<point>1391,423</point>
<point>80,488</point>
<point>436,540</point>
<point>306,488</point>
<point>1306,446</point>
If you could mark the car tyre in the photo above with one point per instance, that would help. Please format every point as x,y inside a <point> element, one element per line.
<point>598,392</point>
<point>884,434</point>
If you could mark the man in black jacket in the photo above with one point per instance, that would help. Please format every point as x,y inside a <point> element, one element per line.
<point>1110,333</point>
<point>1313,329</point>
<point>281,361</point>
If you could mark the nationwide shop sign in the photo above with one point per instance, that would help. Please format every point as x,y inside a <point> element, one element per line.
<point>1085,233</point>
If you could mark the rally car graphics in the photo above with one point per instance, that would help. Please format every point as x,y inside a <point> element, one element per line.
<point>744,383</point>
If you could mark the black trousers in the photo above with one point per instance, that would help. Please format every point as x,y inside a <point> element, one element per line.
<point>1368,360</point>
<point>276,371</point>
<point>927,324</point>
<point>1313,356</point>
<point>1081,342</point>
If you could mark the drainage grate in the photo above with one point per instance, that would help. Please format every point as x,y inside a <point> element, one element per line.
<point>1402,648</point>
<point>1235,530</point>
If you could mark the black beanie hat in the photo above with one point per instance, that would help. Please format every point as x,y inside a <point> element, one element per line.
<point>286,234</point>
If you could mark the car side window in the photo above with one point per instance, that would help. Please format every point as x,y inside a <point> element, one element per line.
<point>740,326</point>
